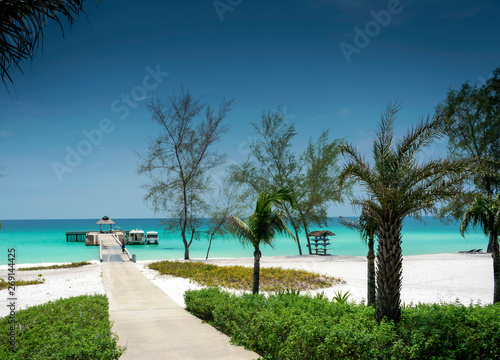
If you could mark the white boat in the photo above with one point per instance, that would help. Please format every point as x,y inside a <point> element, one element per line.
<point>136,237</point>
<point>152,237</point>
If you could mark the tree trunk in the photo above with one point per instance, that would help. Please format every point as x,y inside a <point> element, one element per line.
<point>184,224</point>
<point>491,241</point>
<point>186,250</point>
<point>389,269</point>
<point>298,241</point>
<point>289,216</point>
<point>256,270</point>
<point>496,269</point>
<point>308,241</point>
<point>371,273</point>
<point>186,246</point>
<point>209,245</point>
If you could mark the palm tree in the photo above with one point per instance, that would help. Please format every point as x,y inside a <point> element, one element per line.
<point>261,227</point>
<point>399,186</point>
<point>485,212</point>
<point>21,27</point>
<point>367,228</point>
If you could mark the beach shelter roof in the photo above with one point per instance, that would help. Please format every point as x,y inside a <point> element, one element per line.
<point>321,233</point>
<point>105,220</point>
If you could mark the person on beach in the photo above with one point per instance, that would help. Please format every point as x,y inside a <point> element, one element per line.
<point>123,246</point>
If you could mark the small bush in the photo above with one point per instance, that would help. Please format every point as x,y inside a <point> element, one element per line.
<point>4,284</point>
<point>289,326</point>
<point>50,267</point>
<point>240,277</point>
<point>74,328</point>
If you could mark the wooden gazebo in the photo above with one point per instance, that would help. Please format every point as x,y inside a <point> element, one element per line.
<point>105,220</point>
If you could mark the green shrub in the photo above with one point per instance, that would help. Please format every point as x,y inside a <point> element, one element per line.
<point>240,277</point>
<point>4,284</point>
<point>289,326</point>
<point>74,328</point>
<point>64,266</point>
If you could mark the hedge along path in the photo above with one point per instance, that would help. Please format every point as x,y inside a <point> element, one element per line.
<point>152,326</point>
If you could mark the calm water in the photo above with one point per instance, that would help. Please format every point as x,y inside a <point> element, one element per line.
<point>38,241</point>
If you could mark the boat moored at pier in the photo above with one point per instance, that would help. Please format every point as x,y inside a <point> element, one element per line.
<point>152,237</point>
<point>136,237</point>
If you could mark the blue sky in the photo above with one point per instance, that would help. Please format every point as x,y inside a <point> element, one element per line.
<point>328,63</point>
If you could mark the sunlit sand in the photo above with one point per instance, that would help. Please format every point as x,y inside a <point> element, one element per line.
<point>426,278</point>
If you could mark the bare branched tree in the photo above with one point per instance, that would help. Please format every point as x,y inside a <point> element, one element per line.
<point>230,200</point>
<point>180,159</point>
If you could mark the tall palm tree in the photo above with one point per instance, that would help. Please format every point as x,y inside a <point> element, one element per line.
<point>262,226</point>
<point>485,212</point>
<point>21,27</point>
<point>367,228</point>
<point>398,185</point>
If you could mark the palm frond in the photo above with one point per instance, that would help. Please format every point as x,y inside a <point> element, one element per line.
<point>425,133</point>
<point>383,140</point>
<point>240,229</point>
<point>483,212</point>
<point>348,223</point>
<point>21,28</point>
<point>357,168</point>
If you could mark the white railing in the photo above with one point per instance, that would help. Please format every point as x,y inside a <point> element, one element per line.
<point>119,243</point>
<point>100,248</point>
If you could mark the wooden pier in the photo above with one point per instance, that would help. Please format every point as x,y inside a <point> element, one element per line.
<point>91,238</point>
<point>76,236</point>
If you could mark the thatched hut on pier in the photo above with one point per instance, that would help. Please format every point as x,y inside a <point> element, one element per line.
<point>106,220</point>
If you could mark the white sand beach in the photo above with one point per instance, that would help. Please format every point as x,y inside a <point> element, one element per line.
<point>59,283</point>
<point>426,278</point>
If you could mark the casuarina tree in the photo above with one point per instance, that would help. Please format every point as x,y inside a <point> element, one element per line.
<point>180,159</point>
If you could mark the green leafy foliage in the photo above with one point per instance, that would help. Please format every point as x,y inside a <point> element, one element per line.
<point>341,298</point>
<point>240,277</point>
<point>74,328</point>
<point>273,164</point>
<point>289,326</point>
<point>22,24</point>
<point>4,284</point>
<point>64,266</point>
<point>401,183</point>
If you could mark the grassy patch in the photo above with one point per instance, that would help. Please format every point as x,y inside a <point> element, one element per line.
<point>64,266</point>
<point>289,326</point>
<point>240,277</point>
<point>4,284</point>
<point>74,328</point>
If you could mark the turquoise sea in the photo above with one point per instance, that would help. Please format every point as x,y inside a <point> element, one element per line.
<point>42,241</point>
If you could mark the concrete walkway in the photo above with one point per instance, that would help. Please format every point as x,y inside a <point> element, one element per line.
<point>110,250</point>
<point>153,326</point>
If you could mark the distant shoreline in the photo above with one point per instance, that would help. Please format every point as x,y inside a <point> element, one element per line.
<point>45,241</point>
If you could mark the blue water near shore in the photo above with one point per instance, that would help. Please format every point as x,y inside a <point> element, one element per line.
<point>43,241</point>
